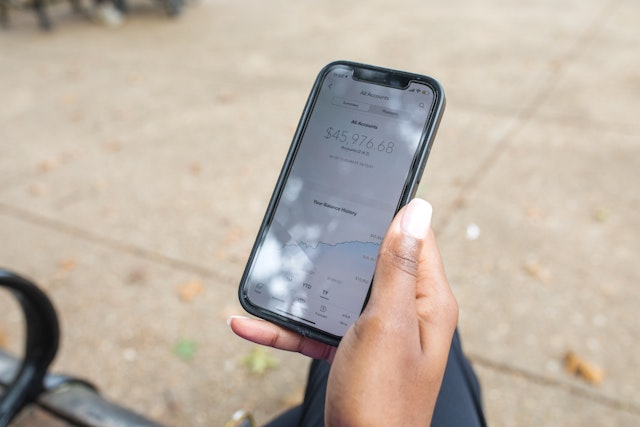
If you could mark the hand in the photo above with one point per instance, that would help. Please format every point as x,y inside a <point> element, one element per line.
<point>388,368</point>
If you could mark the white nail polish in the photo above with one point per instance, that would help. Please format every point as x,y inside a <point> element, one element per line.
<point>417,218</point>
<point>230,318</point>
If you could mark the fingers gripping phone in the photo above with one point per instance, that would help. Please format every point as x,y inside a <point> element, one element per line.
<point>356,158</point>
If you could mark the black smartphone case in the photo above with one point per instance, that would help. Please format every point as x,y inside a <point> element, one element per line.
<point>417,168</point>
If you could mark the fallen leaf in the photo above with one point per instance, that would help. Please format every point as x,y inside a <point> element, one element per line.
<point>234,235</point>
<point>534,212</point>
<point>601,214</point>
<point>38,189</point>
<point>190,290</point>
<point>70,99</point>
<point>137,275</point>
<point>536,270</point>
<point>48,165</point>
<point>195,168</point>
<point>67,265</point>
<point>225,97</point>
<point>170,401</point>
<point>556,65</point>
<point>220,254</point>
<point>185,349</point>
<point>259,361</point>
<point>459,202</point>
<point>65,268</point>
<point>240,418</point>
<point>575,365</point>
<point>113,146</point>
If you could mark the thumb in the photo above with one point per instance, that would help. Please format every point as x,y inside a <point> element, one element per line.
<point>394,283</point>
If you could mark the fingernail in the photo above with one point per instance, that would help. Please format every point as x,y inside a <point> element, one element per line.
<point>230,318</point>
<point>417,218</point>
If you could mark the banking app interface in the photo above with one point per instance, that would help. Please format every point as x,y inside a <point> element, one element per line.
<point>317,260</point>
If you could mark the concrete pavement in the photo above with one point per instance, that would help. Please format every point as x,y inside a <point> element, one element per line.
<point>136,164</point>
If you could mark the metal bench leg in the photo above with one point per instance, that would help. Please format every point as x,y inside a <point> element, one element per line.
<point>40,7</point>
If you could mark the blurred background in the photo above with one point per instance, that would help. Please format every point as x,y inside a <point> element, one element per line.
<point>136,162</point>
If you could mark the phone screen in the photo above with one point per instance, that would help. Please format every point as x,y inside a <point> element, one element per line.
<point>360,142</point>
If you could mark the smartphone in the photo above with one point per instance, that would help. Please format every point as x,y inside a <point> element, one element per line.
<point>356,158</point>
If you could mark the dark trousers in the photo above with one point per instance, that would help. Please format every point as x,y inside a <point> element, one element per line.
<point>459,402</point>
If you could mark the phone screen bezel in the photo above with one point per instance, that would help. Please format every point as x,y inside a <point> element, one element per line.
<point>376,75</point>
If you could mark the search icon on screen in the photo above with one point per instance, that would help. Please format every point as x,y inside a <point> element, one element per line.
<point>421,105</point>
